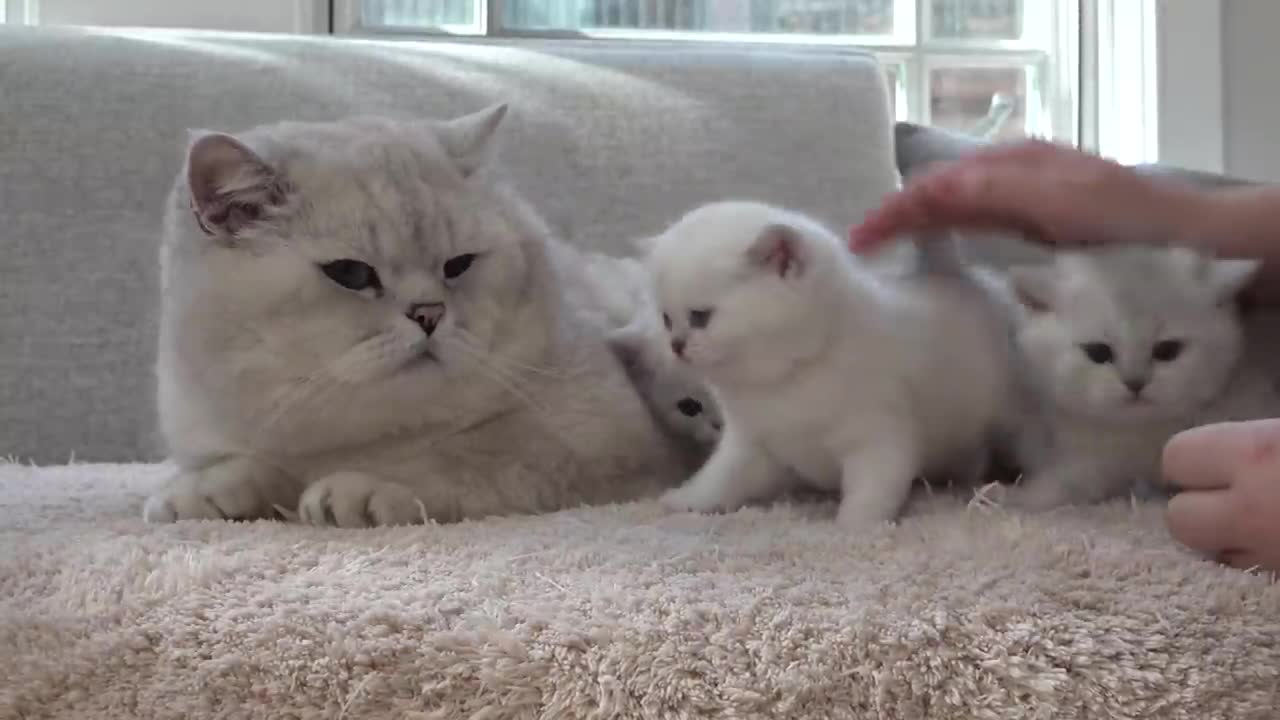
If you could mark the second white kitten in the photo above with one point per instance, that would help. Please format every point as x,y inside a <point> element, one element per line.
<point>827,373</point>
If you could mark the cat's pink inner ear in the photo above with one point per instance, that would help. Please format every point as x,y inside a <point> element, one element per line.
<point>778,249</point>
<point>230,185</point>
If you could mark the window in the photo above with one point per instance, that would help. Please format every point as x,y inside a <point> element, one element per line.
<point>994,68</point>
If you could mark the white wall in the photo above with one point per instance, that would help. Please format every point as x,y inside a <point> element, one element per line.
<point>1251,88</point>
<point>246,15</point>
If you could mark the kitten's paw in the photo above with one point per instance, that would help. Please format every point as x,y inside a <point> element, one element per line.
<point>691,498</point>
<point>235,489</point>
<point>356,500</point>
<point>1036,495</point>
<point>859,520</point>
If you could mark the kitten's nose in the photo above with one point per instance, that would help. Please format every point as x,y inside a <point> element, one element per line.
<point>677,346</point>
<point>1135,385</point>
<point>427,315</point>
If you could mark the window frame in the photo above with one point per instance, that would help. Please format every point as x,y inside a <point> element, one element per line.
<point>912,48</point>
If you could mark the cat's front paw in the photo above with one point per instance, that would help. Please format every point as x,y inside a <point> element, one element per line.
<point>1037,494</point>
<point>356,500</point>
<point>234,489</point>
<point>858,519</point>
<point>693,498</point>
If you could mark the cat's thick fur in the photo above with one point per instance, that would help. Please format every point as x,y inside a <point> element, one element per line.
<point>360,321</point>
<point>828,373</point>
<point>1127,347</point>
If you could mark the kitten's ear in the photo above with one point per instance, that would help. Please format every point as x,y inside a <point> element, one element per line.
<point>1227,279</point>
<point>631,346</point>
<point>778,249</point>
<point>470,139</point>
<point>231,186</point>
<point>1034,285</point>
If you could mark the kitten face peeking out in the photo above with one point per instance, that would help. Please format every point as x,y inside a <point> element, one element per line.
<point>1132,334</point>
<point>682,404</point>
<point>735,285</point>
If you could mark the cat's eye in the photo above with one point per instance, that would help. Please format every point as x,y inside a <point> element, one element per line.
<point>352,274</point>
<point>688,406</point>
<point>1167,350</point>
<point>666,320</point>
<point>1100,353</point>
<point>455,266</point>
<point>699,318</point>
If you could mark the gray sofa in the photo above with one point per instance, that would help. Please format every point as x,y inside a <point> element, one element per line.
<point>961,611</point>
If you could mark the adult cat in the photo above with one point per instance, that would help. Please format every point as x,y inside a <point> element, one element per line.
<point>360,321</point>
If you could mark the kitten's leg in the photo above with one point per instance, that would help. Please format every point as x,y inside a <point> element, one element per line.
<point>876,482</point>
<point>737,472</point>
<point>1059,485</point>
<point>235,488</point>
<point>359,500</point>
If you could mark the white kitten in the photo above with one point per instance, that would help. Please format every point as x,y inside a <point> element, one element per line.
<point>827,372</point>
<point>362,322</point>
<point>680,401</point>
<point>1128,347</point>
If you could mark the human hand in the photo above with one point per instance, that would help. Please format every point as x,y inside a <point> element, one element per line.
<point>1229,504</point>
<point>1050,193</point>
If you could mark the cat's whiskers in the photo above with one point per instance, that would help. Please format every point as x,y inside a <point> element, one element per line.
<point>473,341</point>
<point>504,377</point>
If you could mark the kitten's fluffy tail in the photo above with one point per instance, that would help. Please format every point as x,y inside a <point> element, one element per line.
<point>940,253</point>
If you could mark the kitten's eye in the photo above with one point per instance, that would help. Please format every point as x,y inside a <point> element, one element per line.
<point>1099,353</point>
<point>1167,350</point>
<point>688,406</point>
<point>666,320</point>
<point>457,265</point>
<point>699,318</point>
<point>352,274</point>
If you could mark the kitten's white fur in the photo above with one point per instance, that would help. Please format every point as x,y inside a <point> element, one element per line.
<point>1094,438</point>
<point>827,372</point>
<point>280,388</point>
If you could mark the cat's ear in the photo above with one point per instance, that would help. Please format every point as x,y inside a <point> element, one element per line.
<point>778,249</point>
<point>1035,286</point>
<point>630,345</point>
<point>470,140</point>
<point>1228,278</point>
<point>231,186</point>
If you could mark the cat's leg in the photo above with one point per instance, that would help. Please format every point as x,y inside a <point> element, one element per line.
<point>876,481</point>
<point>737,472</point>
<point>1059,485</point>
<point>233,488</point>
<point>359,500</point>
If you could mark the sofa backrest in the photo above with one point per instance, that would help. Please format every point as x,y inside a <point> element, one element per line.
<point>610,140</point>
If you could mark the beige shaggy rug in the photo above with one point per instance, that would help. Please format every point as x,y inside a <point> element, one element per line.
<point>619,612</point>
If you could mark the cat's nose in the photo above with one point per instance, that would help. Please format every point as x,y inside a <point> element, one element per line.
<point>427,315</point>
<point>677,346</point>
<point>1135,385</point>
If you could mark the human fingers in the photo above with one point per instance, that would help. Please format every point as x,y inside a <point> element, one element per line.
<point>1204,520</point>
<point>1210,456</point>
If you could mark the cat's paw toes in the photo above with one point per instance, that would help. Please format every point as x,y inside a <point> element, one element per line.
<point>1034,497</point>
<point>218,492</point>
<point>689,499</point>
<point>857,521</point>
<point>355,500</point>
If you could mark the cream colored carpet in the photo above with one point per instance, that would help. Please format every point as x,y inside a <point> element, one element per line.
<point>616,613</point>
